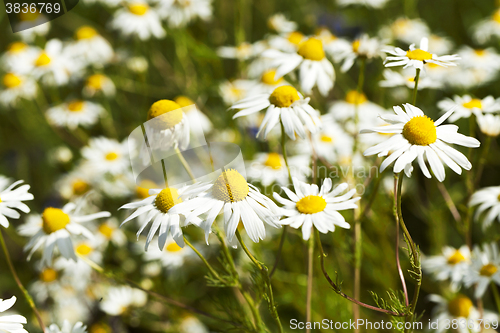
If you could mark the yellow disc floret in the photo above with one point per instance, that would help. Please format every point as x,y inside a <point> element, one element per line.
<point>11,80</point>
<point>83,249</point>
<point>418,54</point>
<point>54,219</point>
<point>273,161</point>
<point>80,187</point>
<point>17,47</point>
<point>100,328</point>
<point>354,97</point>
<point>48,275</point>
<point>166,199</point>
<point>95,81</point>
<point>326,138</point>
<point>138,9</point>
<point>142,190</point>
<point>295,37</point>
<point>312,49</point>
<point>460,306</point>
<point>355,45</point>
<point>455,258</point>
<point>230,186</point>
<point>420,131</point>
<point>496,16</point>
<point>170,112</point>
<point>183,101</point>
<point>111,156</point>
<point>284,96</point>
<point>106,230</point>
<point>76,106</point>
<point>488,270</point>
<point>311,204</point>
<point>269,78</point>
<point>42,60</point>
<point>173,247</point>
<point>473,103</point>
<point>86,32</point>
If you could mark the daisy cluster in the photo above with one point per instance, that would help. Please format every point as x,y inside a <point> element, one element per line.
<point>330,114</point>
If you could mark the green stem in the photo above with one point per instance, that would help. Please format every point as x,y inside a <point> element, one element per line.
<point>309,279</point>
<point>482,160</point>
<point>280,249</point>
<point>496,295</point>
<point>247,252</point>
<point>415,90</point>
<point>185,164</point>
<point>19,283</point>
<point>210,268</point>
<point>283,148</point>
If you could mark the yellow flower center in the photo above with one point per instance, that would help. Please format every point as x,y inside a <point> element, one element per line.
<point>353,97</point>
<point>17,47</point>
<point>106,230</point>
<point>138,9</point>
<point>83,249</point>
<point>312,49</point>
<point>95,81</point>
<point>42,60</point>
<point>76,106</point>
<point>473,103</point>
<point>86,32</point>
<point>11,80</point>
<point>488,270</point>
<point>54,219</point>
<point>269,78</point>
<point>183,101</point>
<point>418,54</point>
<point>460,306</point>
<point>420,131</point>
<point>170,112</point>
<point>496,16</point>
<point>273,161</point>
<point>326,138</point>
<point>173,247</point>
<point>28,16</point>
<point>284,96</point>
<point>480,52</point>
<point>355,45</point>
<point>295,37</point>
<point>111,156</point>
<point>99,328</point>
<point>143,189</point>
<point>311,204</point>
<point>166,199</point>
<point>230,186</point>
<point>80,187</point>
<point>48,275</point>
<point>455,258</point>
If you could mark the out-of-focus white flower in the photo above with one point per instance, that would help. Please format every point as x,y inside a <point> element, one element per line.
<point>232,92</point>
<point>137,64</point>
<point>244,51</point>
<point>367,3</point>
<point>287,42</point>
<point>17,87</point>
<point>103,155</point>
<point>121,299</point>
<point>279,23</point>
<point>465,106</point>
<point>91,47</point>
<point>109,231</point>
<point>194,117</point>
<point>11,323</point>
<point>138,19</point>
<point>485,269</point>
<point>486,58</point>
<point>192,325</point>
<point>75,113</point>
<point>179,13</point>
<point>11,200</point>
<point>32,25</point>
<point>354,101</point>
<point>99,83</point>
<point>486,29</point>
<point>172,256</point>
<point>406,30</point>
<point>18,54</point>
<point>439,45</point>
<point>407,78</point>
<point>269,168</point>
<point>487,198</point>
<point>451,264</point>
<point>67,328</point>
<point>364,46</point>
<point>489,124</point>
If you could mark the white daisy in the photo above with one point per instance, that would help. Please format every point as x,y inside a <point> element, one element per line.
<point>267,83</point>
<point>99,83</point>
<point>67,328</point>
<point>284,104</point>
<point>11,200</point>
<point>234,91</point>
<point>138,19</point>
<point>103,155</point>
<point>239,200</point>
<point>336,47</point>
<point>486,58</point>
<point>75,113</point>
<point>406,30</point>
<point>416,136</point>
<point>363,47</point>
<point>314,68</point>
<point>244,51</point>
<point>486,29</point>
<point>465,106</point>
<point>269,168</point>
<point>354,101</point>
<point>407,78</point>
<point>32,25</point>
<point>91,47</point>
<point>439,44</point>
<point>192,324</point>
<point>11,323</point>
<point>163,210</point>
<point>279,23</point>
<point>368,3</point>
<point>487,198</point>
<point>287,42</point>
<point>57,227</point>
<point>121,299</point>
<point>179,13</point>
<point>194,115</point>
<point>172,256</point>
<point>109,231</point>
<point>418,57</point>
<point>18,54</point>
<point>17,87</point>
<point>47,285</point>
<point>485,269</point>
<point>489,124</point>
<point>75,184</point>
<point>310,206</point>
<point>450,265</point>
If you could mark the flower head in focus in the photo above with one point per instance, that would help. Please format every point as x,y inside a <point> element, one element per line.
<point>11,323</point>
<point>11,200</point>
<point>488,200</point>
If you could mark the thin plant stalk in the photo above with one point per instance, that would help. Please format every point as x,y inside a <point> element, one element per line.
<point>210,268</point>
<point>310,277</point>
<point>415,90</point>
<point>185,164</point>
<point>398,263</point>
<point>496,294</point>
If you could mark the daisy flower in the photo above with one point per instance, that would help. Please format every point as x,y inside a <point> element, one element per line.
<point>439,45</point>
<point>234,91</point>
<point>109,231</point>
<point>310,206</point>
<point>486,29</point>
<point>194,115</point>
<point>267,83</point>
<point>354,101</point>
<point>368,3</point>
<point>11,200</point>
<point>487,58</point>
<point>11,323</point>
<point>279,23</point>
<point>75,113</point>
<point>244,51</point>
<point>239,200</point>
<point>75,184</point>
<point>137,64</point>
<point>163,210</point>
<point>91,47</point>
<point>192,324</point>
<point>57,227</point>
<point>172,256</point>
<point>103,155</point>
<point>362,47</point>
<point>485,269</point>
<point>465,106</point>
<point>121,299</point>
<point>406,30</point>
<point>18,54</point>
<point>489,125</point>
<point>416,136</point>
<point>314,68</point>
<point>269,168</point>
<point>418,57</point>
<point>407,78</point>
<point>284,104</point>
<point>287,42</point>
<point>31,25</point>
<point>488,199</point>
<point>47,285</point>
<point>451,264</point>
<point>67,328</point>
<point>99,83</point>
<point>179,13</point>
<point>138,19</point>
<point>17,87</point>
<point>335,46</point>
